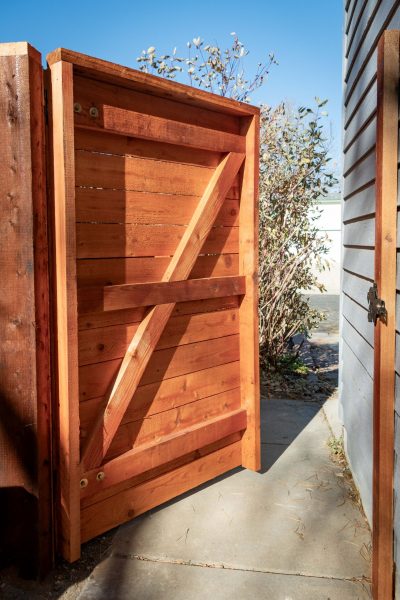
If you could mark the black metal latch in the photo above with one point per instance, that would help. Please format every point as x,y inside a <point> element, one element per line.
<point>376,306</point>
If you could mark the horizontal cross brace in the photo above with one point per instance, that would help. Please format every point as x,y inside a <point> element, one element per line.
<point>149,456</point>
<point>149,127</point>
<point>162,292</point>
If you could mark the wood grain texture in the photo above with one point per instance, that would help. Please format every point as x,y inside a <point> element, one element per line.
<point>385,277</point>
<point>107,343</point>
<point>67,350</point>
<point>105,240</point>
<point>121,206</point>
<point>95,379</point>
<point>150,329</point>
<point>248,312</point>
<point>25,414</point>
<point>164,395</point>
<point>115,271</point>
<point>167,131</point>
<point>113,73</point>
<point>170,447</point>
<point>134,501</point>
<point>152,429</point>
<point>90,320</point>
<point>119,297</point>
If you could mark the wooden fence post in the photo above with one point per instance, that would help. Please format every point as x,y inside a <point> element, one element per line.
<point>25,410</point>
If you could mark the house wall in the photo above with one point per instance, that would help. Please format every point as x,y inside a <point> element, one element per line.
<point>365,20</point>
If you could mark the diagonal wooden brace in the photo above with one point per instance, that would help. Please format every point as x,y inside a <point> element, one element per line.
<point>150,329</point>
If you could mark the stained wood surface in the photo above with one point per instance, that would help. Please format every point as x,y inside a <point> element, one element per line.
<point>132,502</point>
<point>95,240</point>
<point>170,447</point>
<point>149,127</point>
<point>154,428</point>
<point>161,273</point>
<point>115,271</point>
<point>95,379</point>
<point>134,315</point>
<point>151,208</point>
<point>67,351</point>
<point>385,277</point>
<point>248,312</point>
<point>173,392</point>
<point>25,413</point>
<point>120,75</point>
<point>107,343</point>
<point>120,297</point>
<point>150,329</point>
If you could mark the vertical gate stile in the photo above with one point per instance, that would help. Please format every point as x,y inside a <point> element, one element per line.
<point>385,328</point>
<point>67,347</point>
<point>248,312</point>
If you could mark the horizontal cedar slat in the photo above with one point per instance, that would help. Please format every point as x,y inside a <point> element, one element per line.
<point>131,295</point>
<point>107,343</point>
<point>96,379</point>
<point>150,127</point>
<point>95,240</point>
<point>111,143</point>
<point>89,92</point>
<point>91,320</point>
<point>118,206</point>
<point>115,271</point>
<point>155,428</point>
<point>143,174</point>
<point>169,448</point>
<point>161,396</point>
<point>134,501</point>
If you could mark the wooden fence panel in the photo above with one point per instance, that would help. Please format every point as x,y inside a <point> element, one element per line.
<point>156,250</point>
<point>25,410</point>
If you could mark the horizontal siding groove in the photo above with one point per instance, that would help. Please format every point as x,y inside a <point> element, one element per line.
<point>360,100</point>
<point>360,157</point>
<point>363,29</point>
<point>365,217</point>
<point>359,346</point>
<point>386,10</point>
<point>358,361</point>
<point>358,275</point>
<point>358,334</point>
<point>365,76</point>
<point>360,204</point>
<point>360,189</point>
<point>354,28</point>
<point>359,246</point>
<point>379,16</point>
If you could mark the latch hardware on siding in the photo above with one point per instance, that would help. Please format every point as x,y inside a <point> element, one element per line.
<point>376,306</point>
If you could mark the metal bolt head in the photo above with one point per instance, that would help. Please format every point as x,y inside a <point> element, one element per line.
<point>77,107</point>
<point>94,112</point>
<point>83,482</point>
<point>100,476</point>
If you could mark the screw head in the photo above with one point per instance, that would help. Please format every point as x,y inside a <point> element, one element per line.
<point>77,107</point>
<point>94,112</point>
<point>83,482</point>
<point>100,476</point>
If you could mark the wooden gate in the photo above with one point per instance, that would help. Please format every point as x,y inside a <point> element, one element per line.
<point>155,189</point>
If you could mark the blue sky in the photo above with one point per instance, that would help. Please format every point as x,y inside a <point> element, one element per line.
<point>306,37</point>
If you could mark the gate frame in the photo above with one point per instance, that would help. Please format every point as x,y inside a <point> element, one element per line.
<point>63,64</point>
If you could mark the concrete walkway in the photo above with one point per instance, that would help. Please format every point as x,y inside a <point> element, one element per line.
<point>290,532</point>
